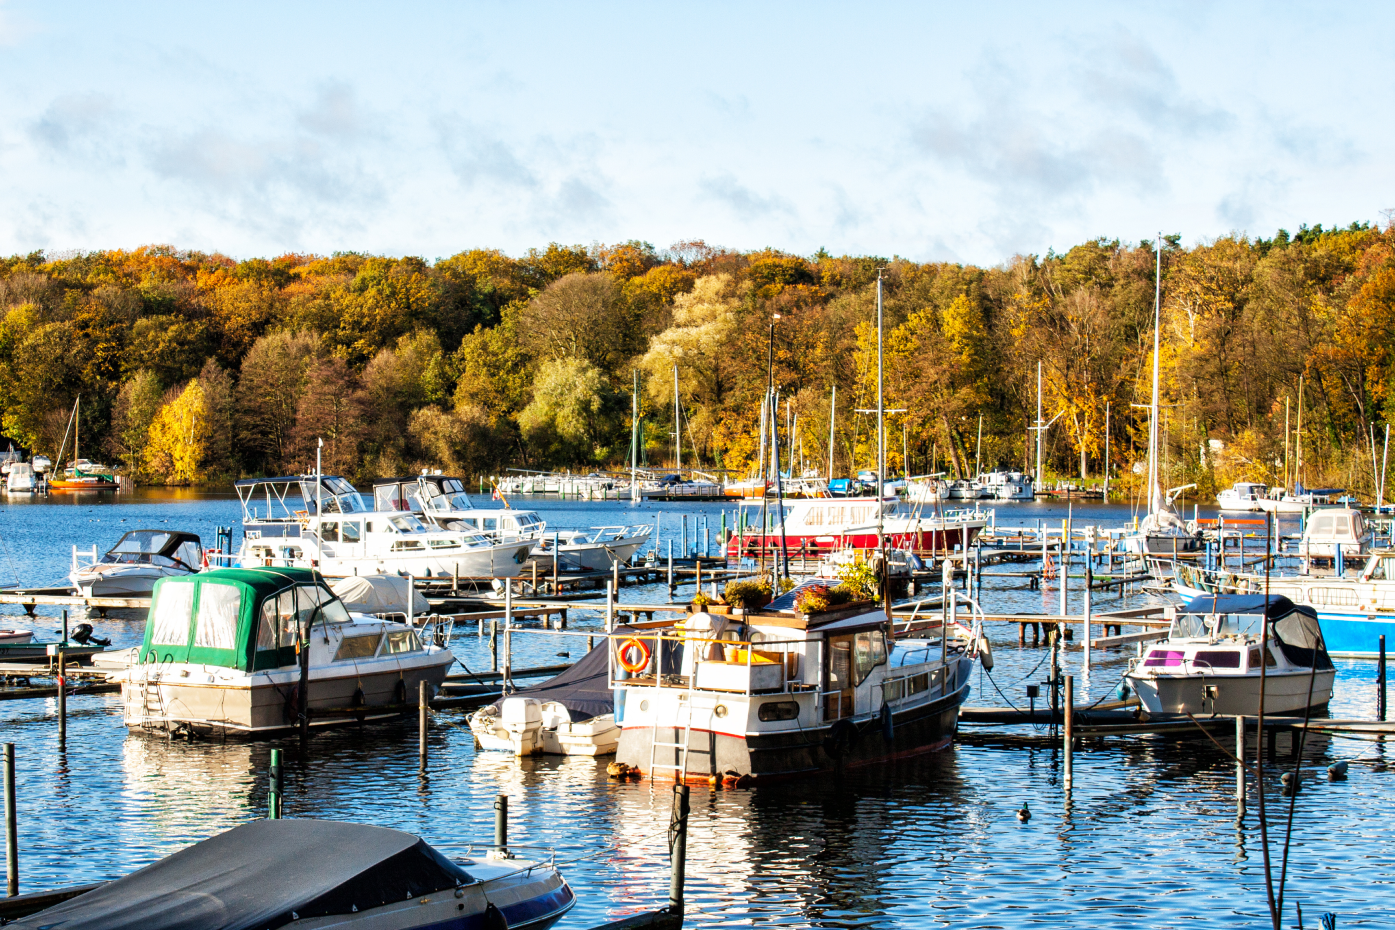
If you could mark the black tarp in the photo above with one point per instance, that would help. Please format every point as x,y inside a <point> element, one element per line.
<point>584,688</point>
<point>260,875</point>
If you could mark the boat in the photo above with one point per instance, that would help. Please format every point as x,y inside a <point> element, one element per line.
<point>1355,611</point>
<point>442,502</point>
<point>776,693</point>
<point>572,714</point>
<point>320,873</point>
<point>21,478</point>
<point>829,524</point>
<point>962,489</point>
<point>1214,659</point>
<point>1008,486</point>
<point>1300,501</point>
<point>1337,533</point>
<point>320,522</point>
<point>81,474</point>
<point>1243,496</point>
<point>246,650</point>
<point>14,636</point>
<point>138,560</point>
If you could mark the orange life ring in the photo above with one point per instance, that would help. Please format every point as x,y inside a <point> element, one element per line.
<point>623,655</point>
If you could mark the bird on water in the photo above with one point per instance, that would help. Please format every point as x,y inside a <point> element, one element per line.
<point>1024,814</point>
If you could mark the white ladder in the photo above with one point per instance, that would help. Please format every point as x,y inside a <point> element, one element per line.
<point>680,767</point>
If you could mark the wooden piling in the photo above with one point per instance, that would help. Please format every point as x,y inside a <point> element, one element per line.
<point>62,698</point>
<point>678,847</point>
<point>494,645</point>
<point>1380,681</point>
<point>507,678</point>
<point>1087,609</point>
<point>11,825</point>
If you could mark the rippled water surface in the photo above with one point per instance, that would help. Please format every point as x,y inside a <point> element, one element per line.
<point>1148,839</point>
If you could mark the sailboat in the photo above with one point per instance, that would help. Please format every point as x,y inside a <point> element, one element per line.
<point>81,474</point>
<point>1162,531</point>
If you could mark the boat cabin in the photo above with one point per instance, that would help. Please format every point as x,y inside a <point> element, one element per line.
<point>443,501</point>
<point>165,548</point>
<point>1339,530</point>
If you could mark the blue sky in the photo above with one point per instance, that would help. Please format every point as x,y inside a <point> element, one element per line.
<point>954,131</point>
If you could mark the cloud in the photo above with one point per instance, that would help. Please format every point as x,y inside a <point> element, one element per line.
<point>334,114</point>
<point>744,202</point>
<point>77,124</point>
<point>476,156</point>
<point>1130,79</point>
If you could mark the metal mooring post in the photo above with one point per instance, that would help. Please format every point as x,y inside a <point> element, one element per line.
<point>11,825</point>
<point>678,847</point>
<point>275,789</point>
<point>501,824</point>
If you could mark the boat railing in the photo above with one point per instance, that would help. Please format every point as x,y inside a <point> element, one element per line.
<point>91,555</point>
<point>750,658</point>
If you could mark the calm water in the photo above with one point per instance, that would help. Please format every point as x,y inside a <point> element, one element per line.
<point>1149,838</point>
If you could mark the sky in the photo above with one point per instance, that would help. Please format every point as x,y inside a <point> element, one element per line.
<point>932,131</point>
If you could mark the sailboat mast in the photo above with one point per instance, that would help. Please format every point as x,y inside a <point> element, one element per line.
<point>881,428</point>
<point>1040,483</point>
<point>1297,440</point>
<point>832,412</point>
<point>677,428</point>
<point>77,422</point>
<point>1154,493</point>
<point>634,440</point>
<point>978,450</point>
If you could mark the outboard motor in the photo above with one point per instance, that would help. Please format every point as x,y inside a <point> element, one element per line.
<point>84,635</point>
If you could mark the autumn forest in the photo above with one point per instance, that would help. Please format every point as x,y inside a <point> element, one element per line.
<point>193,368</point>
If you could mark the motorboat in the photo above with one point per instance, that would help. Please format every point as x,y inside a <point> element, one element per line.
<point>1008,486</point>
<point>320,873</point>
<point>244,650</point>
<point>778,693</point>
<point>930,489</point>
<point>383,596</point>
<point>21,479</point>
<point>1355,611</point>
<point>1336,533</point>
<point>442,502</point>
<point>746,487</point>
<point>14,636</point>
<point>1300,501</point>
<point>828,524</point>
<point>962,489</point>
<point>1243,496</point>
<point>1223,652</point>
<point>572,714</point>
<point>138,560</point>
<point>321,522</point>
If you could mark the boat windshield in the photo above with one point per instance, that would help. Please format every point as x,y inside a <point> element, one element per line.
<point>407,523</point>
<point>142,542</point>
<point>336,495</point>
<point>449,502</point>
<point>1237,624</point>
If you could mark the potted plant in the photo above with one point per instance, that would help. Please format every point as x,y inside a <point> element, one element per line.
<point>746,595</point>
<point>699,603</point>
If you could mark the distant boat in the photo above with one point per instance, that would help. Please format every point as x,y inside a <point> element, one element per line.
<point>21,478</point>
<point>81,474</point>
<point>138,560</point>
<point>1243,496</point>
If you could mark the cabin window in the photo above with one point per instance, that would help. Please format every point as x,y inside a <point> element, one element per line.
<point>1341,525</point>
<point>1358,525</point>
<point>219,607</point>
<point>1227,658</point>
<point>332,610</point>
<point>402,642</point>
<point>1254,659</point>
<point>358,647</point>
<point>838,702</point>
<point>408,524</point>
<point>869,651</point>
<point>368,526</point>
<point>490,523</point>
<point>1322,525</point>
<point>778,710</point>
<point>172,610</point>
<point>329,531</point>
<point>188,553</point>
<point>443,544</point>
<point>349,532</point>
<point>404,545</point>
<point>1168,658</point>
<point>814,517</point>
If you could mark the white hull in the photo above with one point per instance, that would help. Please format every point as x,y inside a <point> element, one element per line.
<point>15,637</point>
<point>596,557</point>
<point>1285,692</point>
<point>527,727</point>
<point>133,581</point>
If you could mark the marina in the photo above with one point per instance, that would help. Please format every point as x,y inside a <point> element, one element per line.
<point>1009,746</point>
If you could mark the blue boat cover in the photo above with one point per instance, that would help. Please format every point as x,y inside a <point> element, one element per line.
<point>263,874</point>
<point>1238,604</point>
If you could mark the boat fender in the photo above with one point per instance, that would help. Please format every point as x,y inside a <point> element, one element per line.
<point>985,653</point>
<point>494,918</point>
<point>842,736</point>
<point>400,693</point>
<point>888,724</point>
<point>1123,691</point>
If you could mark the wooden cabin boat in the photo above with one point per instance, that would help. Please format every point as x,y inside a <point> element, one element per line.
<point>1214,658</point>
<point>828,524</point>
<point>232,651</point>
<point>777,694</point>
<point>318,874</point>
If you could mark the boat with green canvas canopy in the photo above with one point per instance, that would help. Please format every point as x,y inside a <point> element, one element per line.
<point>253,650</point>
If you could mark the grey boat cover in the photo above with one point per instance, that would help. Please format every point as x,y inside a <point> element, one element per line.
<point>1295,627</point>
<point>583,688</point>
<point>263,874</point>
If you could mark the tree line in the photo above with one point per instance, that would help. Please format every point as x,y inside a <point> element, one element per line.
<point>196,368</point>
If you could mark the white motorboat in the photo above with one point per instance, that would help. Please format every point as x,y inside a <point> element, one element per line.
<point>963,489</point>
<point>249,651</point>
<point>1243,496</point>
<point>1336,531</point>
<point>1008,486</point>
<point>321,873</point>
<point>138,560</point>
<point>320,522</point>
<point>779,693</point>
<point>14,636</point>
<point>1301,501</point>
<point>442,502</point>
<point>21,479</point>
<point>1214,660</point>
<point>572,714</point>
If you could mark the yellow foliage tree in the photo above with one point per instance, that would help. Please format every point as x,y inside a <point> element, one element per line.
<point>178,437</point>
